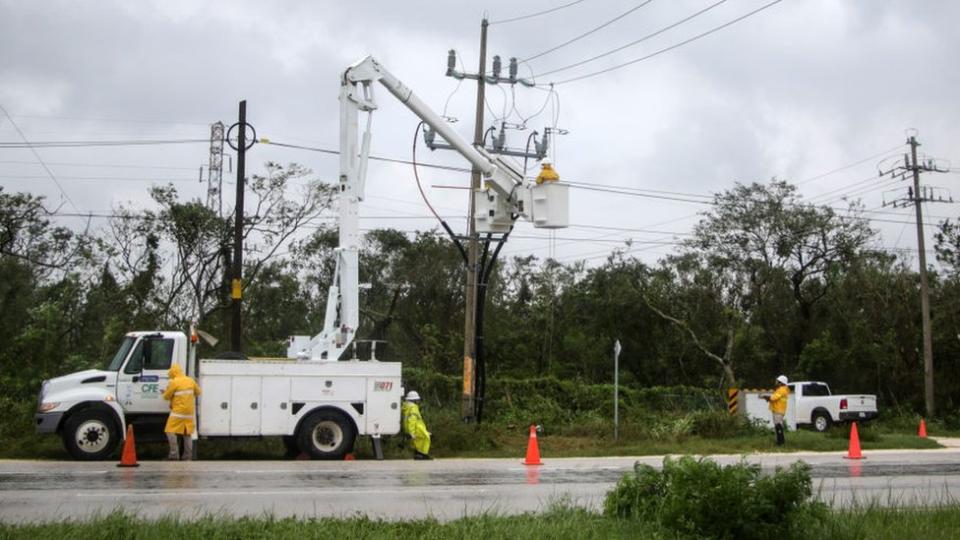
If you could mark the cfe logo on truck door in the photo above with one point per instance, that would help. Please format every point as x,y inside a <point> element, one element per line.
<point>150,387</point>
<point>382,386</point>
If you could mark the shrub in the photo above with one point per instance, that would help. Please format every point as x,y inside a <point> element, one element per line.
<point>703,499</point>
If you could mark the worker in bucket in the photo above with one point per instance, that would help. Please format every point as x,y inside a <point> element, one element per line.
<point>181,392</point>
<point>778,406</point>
<point>547,172</point>
<point>414,427</point>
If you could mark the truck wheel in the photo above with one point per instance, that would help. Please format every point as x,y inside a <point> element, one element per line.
<point>90,435</point>
<point>821,421</point>
<point>327,435</point>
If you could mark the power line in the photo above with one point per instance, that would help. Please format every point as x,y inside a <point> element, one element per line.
<point>632,43</point>
<point>672,47</point>
<point>39,159</point>
<point>587,33</point>
<point>101,178</point>
<point>99,165</point>
<point>854,164</point>
<point>537,14</point>
<point>374,158</point>
<point>88,144</point>
<point>118,120</point>
<point>640,190</point>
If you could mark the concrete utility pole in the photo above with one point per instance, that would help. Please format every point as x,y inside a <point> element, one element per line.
<point>479,265</point>
<point>236,273</point>
<point>924,290</point>
<point>468,405</point>
<point>916,197</point>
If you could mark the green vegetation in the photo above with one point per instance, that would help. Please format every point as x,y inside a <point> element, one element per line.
<point>703,499</point>
<point>560,522</point>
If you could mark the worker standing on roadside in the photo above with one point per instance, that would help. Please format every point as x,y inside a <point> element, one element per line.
<point>181,392</point>
<point>414,427</point>
<point>778,406</point>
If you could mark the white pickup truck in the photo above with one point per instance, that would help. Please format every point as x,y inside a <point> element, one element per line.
<point>811,403</point>
<point>317,407</point>
<point>815,405</point>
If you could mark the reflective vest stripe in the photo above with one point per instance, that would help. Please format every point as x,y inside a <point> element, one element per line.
<point>183,392</point>
<point>178,415</point>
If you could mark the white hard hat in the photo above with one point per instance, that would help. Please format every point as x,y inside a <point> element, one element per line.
<point>546,161</point>
<point>412,396</point>
<point>782,379</point>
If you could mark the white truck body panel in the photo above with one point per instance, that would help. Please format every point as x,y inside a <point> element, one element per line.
<point>270,397</point>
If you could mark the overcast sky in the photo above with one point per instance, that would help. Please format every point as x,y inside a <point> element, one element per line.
<point>797,90</point>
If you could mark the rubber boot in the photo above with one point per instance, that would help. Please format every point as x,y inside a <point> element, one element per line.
<point>779,429</point>
<point>174,454</point>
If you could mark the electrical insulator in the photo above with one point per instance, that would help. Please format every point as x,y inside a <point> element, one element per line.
<point>496,66</point>
<point>513,69</point>
<point>451,62</point>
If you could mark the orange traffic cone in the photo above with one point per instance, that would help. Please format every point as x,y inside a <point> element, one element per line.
<point>533,449</point>
<point>853,452</point>
<point>129,456</point>
<point>349,457</point>
<point>922,432</point>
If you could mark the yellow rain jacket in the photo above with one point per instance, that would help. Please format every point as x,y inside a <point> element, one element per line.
<point>413,425</point>
<point>547,174</point>
<point>181,392</point>
<point>778,401</point>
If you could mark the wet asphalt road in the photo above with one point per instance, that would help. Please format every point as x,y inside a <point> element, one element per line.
<point>443,489</point>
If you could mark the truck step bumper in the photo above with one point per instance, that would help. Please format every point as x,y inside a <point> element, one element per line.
<point>48,422</point>
<point>857,416</point>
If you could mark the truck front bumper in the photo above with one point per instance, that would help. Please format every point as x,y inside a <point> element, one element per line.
<point>851,416</point>
<point>48,422</point>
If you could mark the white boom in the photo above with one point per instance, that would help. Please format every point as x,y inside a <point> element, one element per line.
<point>505,196</point>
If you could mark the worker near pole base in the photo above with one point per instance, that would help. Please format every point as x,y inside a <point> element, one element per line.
<point>547,173</point>
<point>181,392</point>
<point>778,406</point>
<point>414,427</point>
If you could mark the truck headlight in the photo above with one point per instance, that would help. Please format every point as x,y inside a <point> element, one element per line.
<point>48,406</point>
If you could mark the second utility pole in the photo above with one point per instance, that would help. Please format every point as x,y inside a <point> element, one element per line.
<point>467,407</point>
<point>924,290</point>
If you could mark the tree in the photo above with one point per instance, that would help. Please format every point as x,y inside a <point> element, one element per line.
<point>755,239</point>
<point>181,252</point>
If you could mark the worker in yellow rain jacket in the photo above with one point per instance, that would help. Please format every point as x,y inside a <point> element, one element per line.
<point>547,173</point>
<point>181,392</point>
<point>778,406</point>
<point>414,427</point>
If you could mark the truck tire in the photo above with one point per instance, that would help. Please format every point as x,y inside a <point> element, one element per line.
<point>90,435</point>
<point>327,434</point>
<point>821,421</point>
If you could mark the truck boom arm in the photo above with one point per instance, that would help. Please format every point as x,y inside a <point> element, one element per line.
<point>506,195</point>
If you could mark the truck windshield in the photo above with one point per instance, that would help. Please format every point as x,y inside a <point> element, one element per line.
<point>117,360</point>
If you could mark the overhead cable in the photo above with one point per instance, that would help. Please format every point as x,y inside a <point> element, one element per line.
<point>672,47</point>
<point>587,33</point>
<point>39,159</point>
<point>537,14</point>
<point>635,42</point>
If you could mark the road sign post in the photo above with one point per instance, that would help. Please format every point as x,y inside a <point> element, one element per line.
<point>616,390</point>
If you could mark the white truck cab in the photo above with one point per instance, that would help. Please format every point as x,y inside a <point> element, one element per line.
<point>318,407</point>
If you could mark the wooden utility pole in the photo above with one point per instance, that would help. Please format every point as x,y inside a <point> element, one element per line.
<point>467,407</point>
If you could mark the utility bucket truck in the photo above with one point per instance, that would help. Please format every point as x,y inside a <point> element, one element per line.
<point>317,398</point>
